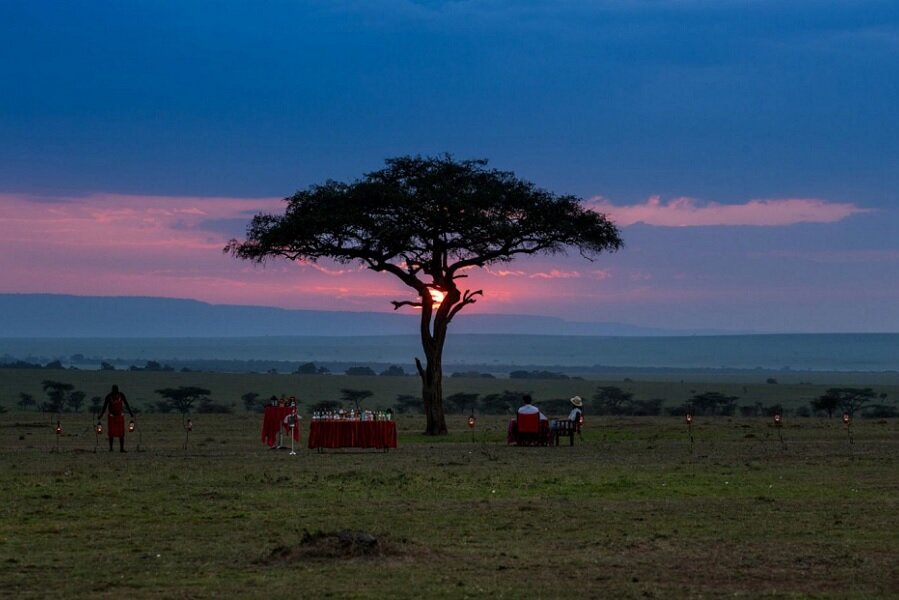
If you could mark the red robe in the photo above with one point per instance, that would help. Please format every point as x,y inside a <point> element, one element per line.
<point>115,421</point>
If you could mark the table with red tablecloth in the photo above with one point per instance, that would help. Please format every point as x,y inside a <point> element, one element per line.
<point>273,421</point>
<point>338,433</point>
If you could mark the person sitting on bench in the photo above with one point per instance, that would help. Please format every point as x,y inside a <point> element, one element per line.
<point>528,408</point>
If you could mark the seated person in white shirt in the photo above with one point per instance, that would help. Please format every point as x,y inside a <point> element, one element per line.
<point>574,416</point>
<point>528,408</point>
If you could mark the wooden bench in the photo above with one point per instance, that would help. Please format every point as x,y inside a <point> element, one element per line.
<point>564,427</point>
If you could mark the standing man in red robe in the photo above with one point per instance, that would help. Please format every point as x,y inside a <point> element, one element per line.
<point>115,425</point>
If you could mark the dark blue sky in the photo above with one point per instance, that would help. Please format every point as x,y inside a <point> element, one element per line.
<point>719,101</point>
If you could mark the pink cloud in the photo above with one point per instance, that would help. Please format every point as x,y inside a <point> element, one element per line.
<point>689,212</point>
<point>556,274</point>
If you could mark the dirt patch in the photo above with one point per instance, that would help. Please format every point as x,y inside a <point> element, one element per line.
<point>339,545</point>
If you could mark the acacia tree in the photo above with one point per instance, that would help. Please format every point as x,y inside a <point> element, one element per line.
<point>426,221</point>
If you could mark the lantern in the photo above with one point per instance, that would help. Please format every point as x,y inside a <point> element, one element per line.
<point>58,428</point>
<point>688,418</point>
<point>471,421</point>
<point>580,418</point>
<point>131,426</point>
<point>846,418</point>
<point>190,425</point>
<point>777,419</point>
<point>99,428</point>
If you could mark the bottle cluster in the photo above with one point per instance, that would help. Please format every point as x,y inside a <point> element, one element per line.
<point>352,415</point>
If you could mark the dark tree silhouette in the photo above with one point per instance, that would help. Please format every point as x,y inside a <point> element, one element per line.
<point>426,221</point>
<point>355,396</point>
<point>56,393</point>
<point>251,402</point>
<point>847,399</point>
<point>26,400</point>
<point>713,403</point>
<point>182,398</point>
<point>612,400</point>
<point>75,400</point>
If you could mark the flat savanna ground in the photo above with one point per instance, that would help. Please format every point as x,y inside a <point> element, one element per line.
<point>629,511</point>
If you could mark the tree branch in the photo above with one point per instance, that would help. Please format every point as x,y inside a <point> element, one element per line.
<point>398,303</point>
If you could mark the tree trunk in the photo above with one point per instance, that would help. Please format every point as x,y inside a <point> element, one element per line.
<point>432,376</point>
<point>432,394</point>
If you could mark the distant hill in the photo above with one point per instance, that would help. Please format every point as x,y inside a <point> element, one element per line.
<point>54,315</point>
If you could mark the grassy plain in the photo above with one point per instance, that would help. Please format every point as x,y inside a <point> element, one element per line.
<point>631,511</point>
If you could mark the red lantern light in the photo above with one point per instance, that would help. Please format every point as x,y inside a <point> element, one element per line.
<point>58,428</point>
<point>777,419</point>
<point>471,421</point>
<point>580,418</point>
<point>846,418</point>
<point>688,418</point>
<point>190,425</point>
<point>99,428</point>
<point>131,426</point>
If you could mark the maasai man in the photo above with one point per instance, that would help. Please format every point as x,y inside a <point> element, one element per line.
<point>115,425</point>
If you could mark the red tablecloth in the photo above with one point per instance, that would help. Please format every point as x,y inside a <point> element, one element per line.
<point>352,434</point>
<point>273,421</point>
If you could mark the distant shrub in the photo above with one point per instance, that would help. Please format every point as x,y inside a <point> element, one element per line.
<point>771,380</point>
<point>713,403</point>
<point>207,406</point>
<point>20,364</point>
<point>325,405</point>
<point>537,375</point>
<point>393,371</point>
<point>646,408</point>
<point>356,371</point>
<point>407,404</point>
<point>881,411</point>
<point>501,404</point>
<point>473,375</point>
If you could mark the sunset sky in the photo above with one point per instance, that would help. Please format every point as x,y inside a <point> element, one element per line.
<point>749,151</point>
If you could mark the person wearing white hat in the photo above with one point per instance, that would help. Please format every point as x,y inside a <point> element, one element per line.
<point>577,406</point>
<point>574,417</point>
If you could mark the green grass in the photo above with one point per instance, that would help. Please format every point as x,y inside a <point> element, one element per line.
<point>629,511</point>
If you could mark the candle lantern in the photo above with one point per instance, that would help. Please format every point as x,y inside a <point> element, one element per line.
<point>190,425</point>
<point>131,426</point>
<point>99,428</point>
<point>846,418</point>
<point>58,428</point>
<point>688,418</point>
<point>472,421</point>
<point>777,419</point>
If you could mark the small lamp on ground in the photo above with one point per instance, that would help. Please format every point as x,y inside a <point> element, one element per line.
<point>688,419</point>
<point>778,423</point>
<point>131,426</point>
<point>847,420</point>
